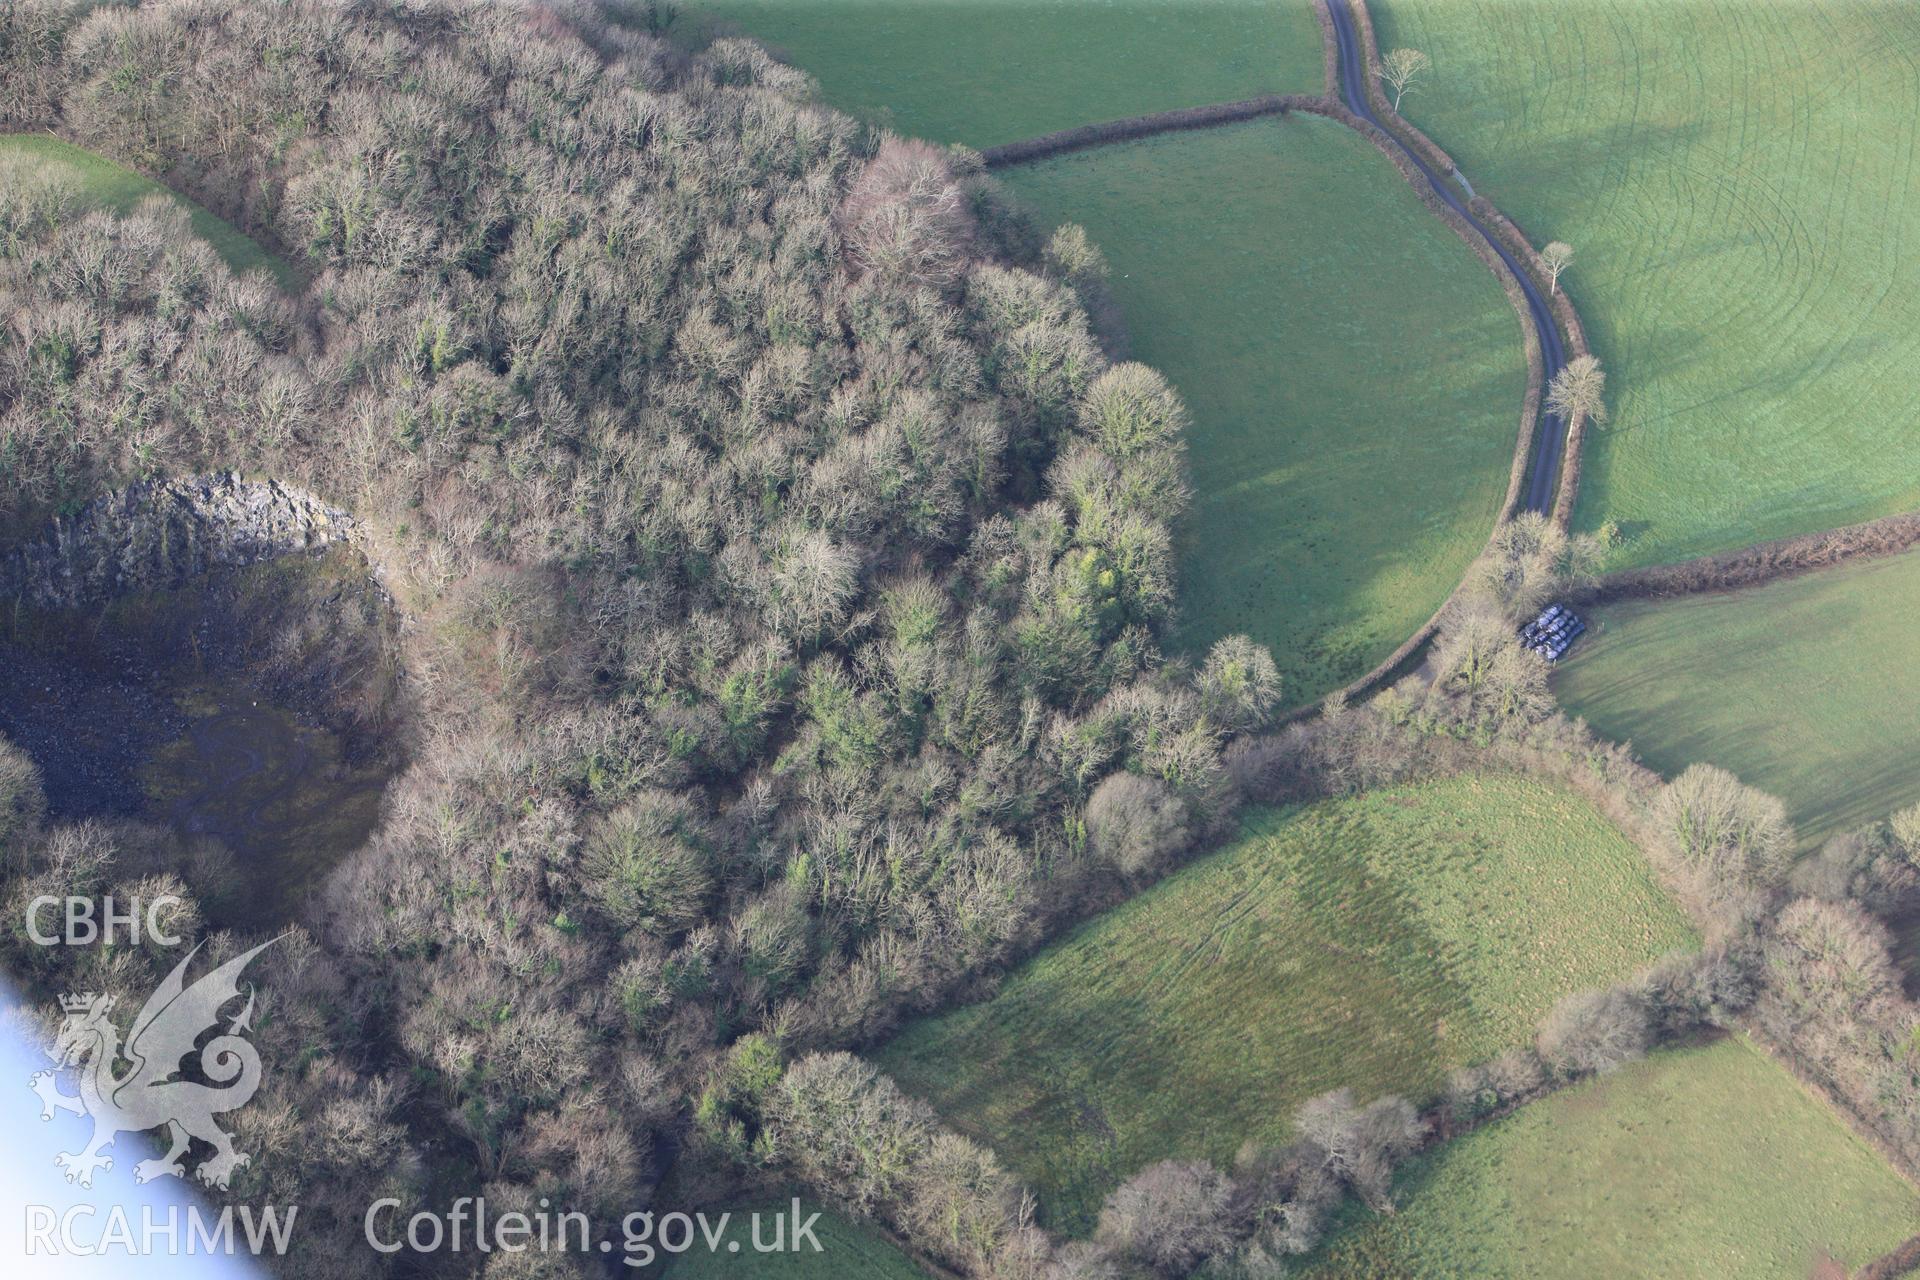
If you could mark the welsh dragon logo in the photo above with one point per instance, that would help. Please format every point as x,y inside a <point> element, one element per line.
<point>146,1095</point>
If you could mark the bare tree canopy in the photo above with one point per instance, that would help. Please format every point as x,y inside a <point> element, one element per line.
<point>905,216</point>
<point>1556,257</point>
<point>1400,68</point>
<point>1576,391</point>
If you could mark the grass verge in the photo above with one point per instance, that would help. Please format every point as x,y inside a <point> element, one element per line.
<point>1373,942</point>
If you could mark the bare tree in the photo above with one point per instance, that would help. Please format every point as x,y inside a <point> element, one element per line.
<point>1516,685</point>
<point>1556,257</point>
<point>1906,830</point>
<point>1239,685</point>
<point>1731,843</point>
<point>1362,1145</point>
<point>1470,640</point>
<point>1575,392</point>
<point>659,16</point>
<point>1136,823</point>
<point>1870,865</point>
<point>906,217</point>
<point>1171,1215</point>
<point>1073,255</point>
<point>21,802</point>
<point>1399,69</point>
<point>1593,1031</point>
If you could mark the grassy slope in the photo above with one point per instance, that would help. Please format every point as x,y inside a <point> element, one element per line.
<point>1697,1162</point>
<point>1354,375</point>
<point>990,71</point>
<point>1805,688</point>
<point>1374,942</point>
<point>1736,178</point>
<point>848,1251</point>
<point>103,184</point>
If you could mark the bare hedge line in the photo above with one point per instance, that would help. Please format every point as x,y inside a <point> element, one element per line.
<point>1405,135</point>
<point>1902,1261</point>
<point>1329,54</point>
<point>1856,1122</point>
<point>1408,133</point>
<point>1497,224</point>
<point>1761,563</point>
<point>1132,127</point>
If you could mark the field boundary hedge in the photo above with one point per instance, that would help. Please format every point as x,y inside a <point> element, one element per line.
<point>1495,224</point>
<point>1572,332</point>
<point>1529,340</point>
<point>1904,1260</point>
<point>1855,1123</point>
<point>1530,350</point>
<point>1759,564</point>
<point>1130,128</point>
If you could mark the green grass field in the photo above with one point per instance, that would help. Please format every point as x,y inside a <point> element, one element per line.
<point>1354,375</point>
<point>1736,178</point>
<point>105,185</point>
<point>1695,1162</point>
<point>989,71</point>
<point>1805,688</point>
<point>1373,942</point>
<point>848,1251</point>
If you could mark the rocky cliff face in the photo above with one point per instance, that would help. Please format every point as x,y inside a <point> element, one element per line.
<point>157,534</point>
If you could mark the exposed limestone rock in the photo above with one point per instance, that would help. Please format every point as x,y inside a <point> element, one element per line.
<point>157,534</point>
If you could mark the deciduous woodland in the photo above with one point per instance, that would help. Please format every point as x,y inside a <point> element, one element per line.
<point>783,568</point>
<point>721,521</point>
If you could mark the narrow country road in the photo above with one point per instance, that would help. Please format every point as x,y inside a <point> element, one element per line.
<point>1550,430</point>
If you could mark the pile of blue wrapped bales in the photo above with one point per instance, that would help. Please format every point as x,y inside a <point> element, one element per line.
<point>1552,633</point>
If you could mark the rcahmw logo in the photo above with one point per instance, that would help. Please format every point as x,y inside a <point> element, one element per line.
<point>144,1095</point>
<point>74,1233</point>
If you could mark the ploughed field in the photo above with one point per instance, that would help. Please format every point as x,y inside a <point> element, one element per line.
<point>1805,687</point>
<point>1705,1161</point>
<point>1353,372</point>
<point>985,72</point>
<point>1736,178</point>
<point>1375,942</point>
<point>100,183</point>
